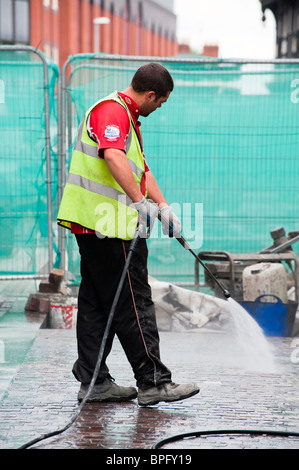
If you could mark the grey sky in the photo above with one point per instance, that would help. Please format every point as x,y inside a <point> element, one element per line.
<point>234,25</point>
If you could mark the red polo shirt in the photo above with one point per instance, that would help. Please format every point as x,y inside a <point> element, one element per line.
<point>110,127</point>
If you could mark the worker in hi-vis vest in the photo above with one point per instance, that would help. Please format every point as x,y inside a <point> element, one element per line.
<point>110,191</point>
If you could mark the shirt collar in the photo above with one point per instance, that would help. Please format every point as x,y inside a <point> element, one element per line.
<point>132,106</point>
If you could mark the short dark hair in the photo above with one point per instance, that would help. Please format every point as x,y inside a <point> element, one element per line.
<point>152,77</point>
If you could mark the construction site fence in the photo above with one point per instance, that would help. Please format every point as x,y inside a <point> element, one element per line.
<point>28,159</point>
<point>223,149</point>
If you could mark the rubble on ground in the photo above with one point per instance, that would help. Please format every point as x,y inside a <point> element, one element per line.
<point>178,308</point>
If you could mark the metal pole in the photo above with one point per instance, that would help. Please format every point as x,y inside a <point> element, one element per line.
<point>22,277</point>
<point>179,60</point>
<point>62,158</point>
<point>48,163</point>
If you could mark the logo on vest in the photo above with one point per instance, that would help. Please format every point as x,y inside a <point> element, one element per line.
<point>112,133</point>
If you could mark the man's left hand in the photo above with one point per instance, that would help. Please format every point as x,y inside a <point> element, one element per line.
<point>171,224</point>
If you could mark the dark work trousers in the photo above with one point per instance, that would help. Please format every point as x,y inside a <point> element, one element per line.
<point>134,321</point>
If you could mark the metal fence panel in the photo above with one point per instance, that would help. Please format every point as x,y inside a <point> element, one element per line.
<point>224,150</point>
<point>28,161</point>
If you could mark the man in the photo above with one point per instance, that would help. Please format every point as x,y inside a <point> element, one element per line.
<point>109,189</point>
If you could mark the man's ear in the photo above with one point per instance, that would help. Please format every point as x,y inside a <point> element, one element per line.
<point>151,95</point>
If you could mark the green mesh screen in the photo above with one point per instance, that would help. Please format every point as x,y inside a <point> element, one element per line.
<point>23,177</point>
<point>224,150</point>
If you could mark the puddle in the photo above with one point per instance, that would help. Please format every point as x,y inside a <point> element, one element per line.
<point>17,332</point>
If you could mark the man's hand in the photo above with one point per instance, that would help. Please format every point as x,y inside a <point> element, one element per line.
<point>148,211</point>
<point>171,225</point>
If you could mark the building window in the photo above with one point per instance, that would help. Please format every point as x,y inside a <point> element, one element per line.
<point>127,27</point>
<point>112,21</point>
<point>55,5</point>
<point>139,30</point>
<point>47,49</point>
<point>284,47</point>
<point>294,46</point>
<point>14,22</point>
<point>6,21</point>
<point>21,21</point>
<point>55,54</point>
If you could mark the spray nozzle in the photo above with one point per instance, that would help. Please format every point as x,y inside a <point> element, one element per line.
<point>226,293</point>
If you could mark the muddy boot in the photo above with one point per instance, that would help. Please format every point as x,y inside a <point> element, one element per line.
<point>166,392</point>
<point>107,391</point>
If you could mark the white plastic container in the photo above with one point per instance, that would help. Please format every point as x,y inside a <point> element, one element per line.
<point>265,278</point>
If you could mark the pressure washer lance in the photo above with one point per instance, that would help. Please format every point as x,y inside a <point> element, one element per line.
<point>186,245</point>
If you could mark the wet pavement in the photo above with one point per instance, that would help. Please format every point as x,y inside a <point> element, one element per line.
<point>43,398</point>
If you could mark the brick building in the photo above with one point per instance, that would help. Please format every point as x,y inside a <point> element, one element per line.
<point>65,27</point>
<point>286,14</point>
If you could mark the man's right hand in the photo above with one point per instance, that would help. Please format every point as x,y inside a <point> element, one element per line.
<point>148,211</point>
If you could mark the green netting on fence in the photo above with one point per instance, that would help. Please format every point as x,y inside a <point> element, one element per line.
<point>224,149</point>
<point>25,139</point>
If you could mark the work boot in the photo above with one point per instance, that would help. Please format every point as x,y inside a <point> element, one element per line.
<point>166,392</point>
<point>107,391</point>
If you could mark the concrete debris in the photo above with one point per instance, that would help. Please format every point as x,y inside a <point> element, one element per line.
<point>40,301</point>
<point>52,285</point>
<point>178,309</point>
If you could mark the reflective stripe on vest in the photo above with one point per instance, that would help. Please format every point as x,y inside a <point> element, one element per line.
<point>92,198</point>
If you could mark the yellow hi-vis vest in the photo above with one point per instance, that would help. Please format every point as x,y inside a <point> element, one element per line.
<point>92,198</point>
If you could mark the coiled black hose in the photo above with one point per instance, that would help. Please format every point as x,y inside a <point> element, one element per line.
<point>257,432</point>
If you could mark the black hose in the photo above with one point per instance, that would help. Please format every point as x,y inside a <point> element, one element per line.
<point>257,432</point>
<point>101,352</point>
